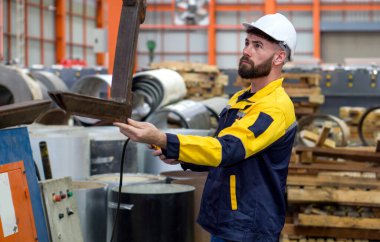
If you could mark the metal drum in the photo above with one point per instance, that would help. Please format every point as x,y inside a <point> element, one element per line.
<point>154,213</point>
<point>92,207</point>
<point>113,179</point>
<point>197,180</point>
<point>128,179</point>
<point>106,146</point>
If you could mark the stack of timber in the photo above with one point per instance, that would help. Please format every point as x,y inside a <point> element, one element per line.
<point>333,194</point>
<point>352,116</point>
<point>305,91</point>
<point>202,80</point>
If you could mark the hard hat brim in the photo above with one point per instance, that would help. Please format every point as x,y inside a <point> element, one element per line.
<point>251,26</point>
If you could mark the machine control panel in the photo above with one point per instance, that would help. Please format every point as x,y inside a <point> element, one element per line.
<point>61,210</point>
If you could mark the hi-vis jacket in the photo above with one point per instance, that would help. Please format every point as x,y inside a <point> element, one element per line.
<point>244,195</point>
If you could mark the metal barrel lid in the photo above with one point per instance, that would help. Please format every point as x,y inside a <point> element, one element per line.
<point>155,188</point>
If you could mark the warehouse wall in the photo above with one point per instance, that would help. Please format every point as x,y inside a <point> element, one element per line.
<point>79,43</point>
<point>177,44</point>
<point>337,45</point>
<point>191,43</point>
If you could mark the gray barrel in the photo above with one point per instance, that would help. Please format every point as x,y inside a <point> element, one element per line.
<point>113,179</point>
<point>154,213</point>
<point>92,207</point>
<point>197,180</point>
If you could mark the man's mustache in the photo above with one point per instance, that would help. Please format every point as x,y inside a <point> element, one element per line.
<point>246,59</point>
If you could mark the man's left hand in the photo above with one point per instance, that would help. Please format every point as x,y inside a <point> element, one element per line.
<point>143,132</point>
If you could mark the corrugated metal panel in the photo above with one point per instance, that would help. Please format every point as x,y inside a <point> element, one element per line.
<point>337,46</point>
<point>227,61</point>
<point>49,51</point>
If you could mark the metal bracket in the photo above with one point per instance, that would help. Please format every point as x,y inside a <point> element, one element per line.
<point>119,108</point>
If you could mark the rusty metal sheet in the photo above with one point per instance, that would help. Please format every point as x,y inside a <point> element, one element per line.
<point>119,108</point>
<point>22,113</point>
<point>92,107</point>
<point>132,15</point>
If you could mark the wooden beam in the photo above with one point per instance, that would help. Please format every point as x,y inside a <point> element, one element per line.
<point>334,181</point>
<point>363,156</point>
<point>342,167</point>
<point>60,30</point>
<point>323,135</point>
<point>352,233</point>
<point>338,221</point>
<point>331,195</point>
<point>308,135</point>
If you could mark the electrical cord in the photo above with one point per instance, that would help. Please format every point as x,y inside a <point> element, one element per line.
<point>120,185</point>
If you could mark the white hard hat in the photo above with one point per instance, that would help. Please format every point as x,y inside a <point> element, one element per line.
<point>279,28</point>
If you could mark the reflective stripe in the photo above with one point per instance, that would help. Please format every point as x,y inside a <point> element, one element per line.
<point>233,192</point>
<point>240,114</point>
<point>292,126</point>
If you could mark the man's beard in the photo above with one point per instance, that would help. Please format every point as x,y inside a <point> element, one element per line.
<point>249,71</point>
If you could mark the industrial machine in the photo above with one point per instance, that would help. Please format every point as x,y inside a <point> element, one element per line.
<point>61,210</point>
<point>18,176</point>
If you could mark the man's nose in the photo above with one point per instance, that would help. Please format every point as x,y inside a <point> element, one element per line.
<point>246,52</point>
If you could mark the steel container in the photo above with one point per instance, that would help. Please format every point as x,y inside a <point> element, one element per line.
<point>197,180</point>
<point>92,207</point>
<point>154,213</point>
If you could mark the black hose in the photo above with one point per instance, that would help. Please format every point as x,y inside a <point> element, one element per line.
<point>120,185</point>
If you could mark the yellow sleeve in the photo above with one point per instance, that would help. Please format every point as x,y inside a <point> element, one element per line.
<point>244,138</point>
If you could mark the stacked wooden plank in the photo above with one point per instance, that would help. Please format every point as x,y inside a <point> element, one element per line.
<point>336,197</point>
<point>305,91</point>
<point>202,80</point>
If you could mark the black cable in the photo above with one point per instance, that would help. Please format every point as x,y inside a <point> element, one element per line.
<point>120,185</point>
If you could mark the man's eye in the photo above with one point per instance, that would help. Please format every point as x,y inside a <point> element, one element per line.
<point>257,45</point>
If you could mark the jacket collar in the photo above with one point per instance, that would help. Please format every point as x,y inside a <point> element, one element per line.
<point>265,91</point>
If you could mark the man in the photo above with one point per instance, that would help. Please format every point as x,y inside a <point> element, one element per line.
<point>244,195</point>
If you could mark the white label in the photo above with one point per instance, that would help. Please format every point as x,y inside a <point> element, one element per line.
<point>7,210</point>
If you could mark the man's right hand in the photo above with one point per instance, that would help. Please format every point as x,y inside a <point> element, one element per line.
<point>158,152</point>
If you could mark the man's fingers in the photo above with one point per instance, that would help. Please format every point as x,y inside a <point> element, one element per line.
<point>127,130</point>
<point>156,152</point>
<point>135,123</point>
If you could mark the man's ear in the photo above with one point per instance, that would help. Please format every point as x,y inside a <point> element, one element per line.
<point>279,58</point>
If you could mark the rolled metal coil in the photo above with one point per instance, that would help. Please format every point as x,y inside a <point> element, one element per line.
<point>215,105</point>
<point>186,114</point>
<point>361,125</point>
<point>16,86</point>
<point>307,120</point>
<point>51,81</point>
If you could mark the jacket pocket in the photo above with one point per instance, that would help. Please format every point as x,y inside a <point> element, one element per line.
<point>233,192</point>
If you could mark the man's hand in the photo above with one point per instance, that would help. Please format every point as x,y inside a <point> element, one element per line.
<point>143,132</point>
<point>158,152</point>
